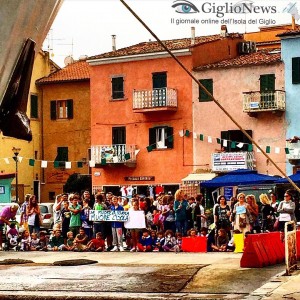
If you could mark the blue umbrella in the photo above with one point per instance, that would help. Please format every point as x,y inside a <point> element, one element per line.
<point>294,177</point>
<point>239,177</point>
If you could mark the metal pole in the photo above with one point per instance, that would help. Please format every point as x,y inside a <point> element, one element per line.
<point>17,192</point>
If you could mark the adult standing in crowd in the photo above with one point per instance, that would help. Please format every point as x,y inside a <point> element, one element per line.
<point>267,211</point>
<point>34,215</point>
<point>24,216</point>
<point>7,213</point>
<point>180,207</point>
<point>286,210</point>
<point>199,213</point>
<point>253,209</point>
<point>222,214</point>
<point>241,215</point>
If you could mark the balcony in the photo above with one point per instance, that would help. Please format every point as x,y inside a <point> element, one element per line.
<point>114,154</point>
<point>230,161</point>
<point>294,151</point>
<point>273,101</point>
<point>163,99</point>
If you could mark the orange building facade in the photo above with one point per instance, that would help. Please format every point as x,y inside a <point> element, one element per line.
<point>141,104</point>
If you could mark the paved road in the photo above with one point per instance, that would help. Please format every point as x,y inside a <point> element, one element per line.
<point>131,276</point>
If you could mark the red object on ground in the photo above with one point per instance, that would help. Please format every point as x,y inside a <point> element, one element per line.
<point>195,244</point>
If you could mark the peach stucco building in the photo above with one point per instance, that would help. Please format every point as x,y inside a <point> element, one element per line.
<point>140,100</point>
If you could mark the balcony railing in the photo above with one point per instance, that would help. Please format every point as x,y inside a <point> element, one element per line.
<point>230,161</point>
<point>294,150</point>
<point>113,154</point>
<point>155,100</point>
<point>264,101</point>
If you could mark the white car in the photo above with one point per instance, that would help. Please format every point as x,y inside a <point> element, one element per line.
<point>47,215</point>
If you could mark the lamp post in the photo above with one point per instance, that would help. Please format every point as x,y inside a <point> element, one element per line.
<point>16,152</point>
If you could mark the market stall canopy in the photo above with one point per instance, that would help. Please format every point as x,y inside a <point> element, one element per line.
<point>295,177</point>
<point>198,177</point>
<point>239,177</point>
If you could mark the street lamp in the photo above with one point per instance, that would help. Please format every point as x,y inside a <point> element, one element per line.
<point>16,152</point>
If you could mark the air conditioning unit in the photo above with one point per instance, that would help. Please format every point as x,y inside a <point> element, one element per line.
<point>246,47</point>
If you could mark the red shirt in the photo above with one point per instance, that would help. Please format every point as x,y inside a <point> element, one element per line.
<point>98,243</point>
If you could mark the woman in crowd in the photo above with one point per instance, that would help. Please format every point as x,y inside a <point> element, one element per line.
<point>286,210</point>
<point>180,207</point>
<point>253,209</point>
<point>199,213</point>
<point>34,215</point>
<point>241,215</point>
<point>222,214</point>
<point>267,212</point>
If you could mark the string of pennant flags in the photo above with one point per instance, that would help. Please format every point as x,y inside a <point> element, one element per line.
<point>127,156</point>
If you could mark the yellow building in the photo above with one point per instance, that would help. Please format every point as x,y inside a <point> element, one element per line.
<point>66,126</point>
<point>28,176</point>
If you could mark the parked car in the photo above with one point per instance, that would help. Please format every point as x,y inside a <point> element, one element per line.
<point>47,215</point>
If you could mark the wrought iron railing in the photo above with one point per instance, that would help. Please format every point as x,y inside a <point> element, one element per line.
<point>116,153</point>
<point>156,98</point>
<point>264,101</point>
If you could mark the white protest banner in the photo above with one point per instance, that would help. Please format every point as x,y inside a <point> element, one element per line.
<point>108,215</point>
<point>136,219</point>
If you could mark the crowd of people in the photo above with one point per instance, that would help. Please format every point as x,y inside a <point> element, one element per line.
<point>168,219</point>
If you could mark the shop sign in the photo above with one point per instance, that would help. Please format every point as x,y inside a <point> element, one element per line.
<point>139,178</point>
<point>229,161</point>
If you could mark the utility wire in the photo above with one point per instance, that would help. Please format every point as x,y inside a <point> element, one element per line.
<point>210,95</point>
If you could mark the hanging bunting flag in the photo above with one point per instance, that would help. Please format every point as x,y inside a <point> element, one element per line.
<point>268,149</point>
<point>277,150</point>
<point>225,143</point>
<point>209,139</point>
<point>233,145</point>
<point>20,158</point>
<point>92,163</point>
<point>240,145</point>
<point>127,156</point>
<point>136,152</point>
<point>195,135</point>
<point>149,148</point>
<point>68,165</point>
<point>296,151</point>
<point>201,137</point>
<point>44,164</point>
<point>181,133</point>
<point>79,164</point>
<point>6,160</point>
<point>31,162</point>
<point>218,141</point>
<point>258,150</point>
<point>56,164</point>
<point>287,151</point>
<point>250,147</point>
<point>187,133</point>
<point>115,159</point>
<point>103,161</point>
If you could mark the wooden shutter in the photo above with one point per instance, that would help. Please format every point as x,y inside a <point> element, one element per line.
<point>34,106</point>
<point>295,70</point>
<point>53,110</point>
<point>267,82</point>
<point>152,137</point>
<point>118,135</point>
<point>208,84</point>
<point>170,138</point>
<point>70,108</point>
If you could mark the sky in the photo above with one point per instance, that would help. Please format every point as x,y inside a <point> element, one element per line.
<point>85,27</point>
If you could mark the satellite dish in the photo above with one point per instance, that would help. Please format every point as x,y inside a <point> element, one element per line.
<point>68,60</point>
<point>83,57</point>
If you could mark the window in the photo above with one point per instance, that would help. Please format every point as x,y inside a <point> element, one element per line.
<point>235,136</point>
<point>159,80</point>
<point>61,109</point>
<point>117,84</point>
<point>61,157</point>
<point>34,106</point>
<point>161,137</point>
<point>267,88</point>
<point>295,70</point>
<point>118,135</point>
<point>208,84</point>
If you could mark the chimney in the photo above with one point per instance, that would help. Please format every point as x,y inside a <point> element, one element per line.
<point>224,31</point>
<point>113,40</point>
<point>293,23</point>
<point>192,35</point>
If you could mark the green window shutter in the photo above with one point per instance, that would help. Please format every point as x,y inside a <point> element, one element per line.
<point>295,70</point>
<point>70,108</point>
<point>117,88</point>
<point>53,110</point>
<point>169,141</point>
<point>152,137</point>
<point>34,106</point>
<point>208,84</point>
<point>267,82</point>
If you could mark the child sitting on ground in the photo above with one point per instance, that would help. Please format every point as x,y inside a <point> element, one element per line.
<point>97,244</point>
<point>43,242</point>
<point>35,241</point>
<point>145,242</point>
<point>81,240</point>
<point>70,241</point>
<point>25,241</point>
<point>170,241</point>
<point>221,241</point>
<point>56,242</point>
<point>178,247</point>
<point>160,240</point>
